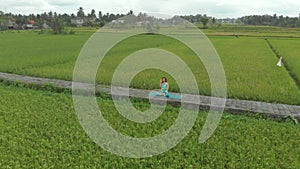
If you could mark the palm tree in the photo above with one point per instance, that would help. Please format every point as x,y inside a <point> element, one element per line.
<point>80,13</point>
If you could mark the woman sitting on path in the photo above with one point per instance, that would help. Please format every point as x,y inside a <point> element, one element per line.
<point>164,87</point>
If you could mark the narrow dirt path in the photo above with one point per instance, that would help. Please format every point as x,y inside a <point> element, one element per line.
<point>233,106</point>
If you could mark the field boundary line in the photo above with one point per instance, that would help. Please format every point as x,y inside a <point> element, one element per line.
<point>252,36</point>
<point>276,111</point>
<point>47,65</point>
<point>287,68</point>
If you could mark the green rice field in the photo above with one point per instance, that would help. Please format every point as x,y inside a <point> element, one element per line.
<point>289,50</point>
<point>40,128</point>
<point>249,63</point>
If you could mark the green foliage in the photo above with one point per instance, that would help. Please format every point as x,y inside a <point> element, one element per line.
<point>41,130</point>
<point>80,13</point>
<point>214,20</point>
<point>69,32</point>
<point>58,26</point>
<point>291,118</point>
<point>270,20</point>
<point>102,23</point>
<point>152,28</point>
<point>3,24</point>
<point>204,20</point>
<point>256,20</point>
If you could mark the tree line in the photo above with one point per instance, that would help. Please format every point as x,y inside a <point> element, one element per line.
<point>99,19</point>
<point>53,19</point>
<point>259,20</point>
<point>269,20</point>
<point>204,19</point>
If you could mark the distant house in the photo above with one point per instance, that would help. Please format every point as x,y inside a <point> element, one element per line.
<point>118,21</point>
<point>77,22</point>
<point>228,21</point>
<point>32,22</point>
<point>28,26</point>
<point>139,24</point>
<point>46,26</point>
<point>12,25</point>
<point>92,19</point>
